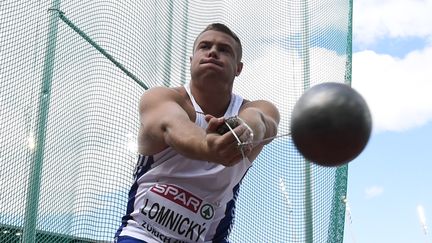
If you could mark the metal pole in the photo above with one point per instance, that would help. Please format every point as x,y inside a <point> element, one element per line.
<point>167,66</point>
<point>337,213</point>
<point>184,53</point>
<point>101,50</point>
<point>348,63</point>
<point>34,182</point>
<point>308,167</point>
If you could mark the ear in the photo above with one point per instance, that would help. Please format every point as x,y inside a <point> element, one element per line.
<point>239,68</point>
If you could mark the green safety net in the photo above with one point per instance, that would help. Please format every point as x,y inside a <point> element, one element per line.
<point>72,73</point>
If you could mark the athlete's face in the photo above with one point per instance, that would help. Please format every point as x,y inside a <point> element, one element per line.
<point>215,55</point>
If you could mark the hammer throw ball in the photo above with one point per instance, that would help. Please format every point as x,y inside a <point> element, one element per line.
<point>331,124</point>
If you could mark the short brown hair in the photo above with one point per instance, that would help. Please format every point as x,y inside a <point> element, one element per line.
<point>224,29</point>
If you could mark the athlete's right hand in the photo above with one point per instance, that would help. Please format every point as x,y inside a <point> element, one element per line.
<point>224,149</point>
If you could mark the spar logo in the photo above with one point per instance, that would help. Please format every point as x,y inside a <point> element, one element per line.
<point>184,199</point>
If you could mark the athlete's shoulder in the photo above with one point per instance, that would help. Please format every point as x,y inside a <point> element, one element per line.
<point>160,94</point>
<point>258,104</point>
<point>161,90</point>
<point>156,98</point>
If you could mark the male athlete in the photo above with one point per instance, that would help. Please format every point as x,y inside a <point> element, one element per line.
<point>187,177</point>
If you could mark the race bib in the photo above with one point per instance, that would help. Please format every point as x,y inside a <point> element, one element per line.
<point>176,215</point>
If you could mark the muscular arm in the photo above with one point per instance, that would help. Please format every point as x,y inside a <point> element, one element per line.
<point>263,118</point>
<point>166,121</point>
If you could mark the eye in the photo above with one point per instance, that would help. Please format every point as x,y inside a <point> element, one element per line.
<point>223,49</point>
<point>204,46</point>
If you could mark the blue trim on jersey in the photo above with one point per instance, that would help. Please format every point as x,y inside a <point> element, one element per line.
<point>143,165</point>
<point>226,224</point>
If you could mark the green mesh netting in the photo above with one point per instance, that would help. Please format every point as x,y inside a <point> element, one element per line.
<point>72,73</point>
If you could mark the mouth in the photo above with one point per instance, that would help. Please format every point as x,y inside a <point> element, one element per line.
<point>211,61</point>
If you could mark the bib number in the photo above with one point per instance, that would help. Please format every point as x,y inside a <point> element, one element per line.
<point>172,212</point>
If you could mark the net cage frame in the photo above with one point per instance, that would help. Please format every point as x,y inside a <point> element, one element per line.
<point>315,214</point>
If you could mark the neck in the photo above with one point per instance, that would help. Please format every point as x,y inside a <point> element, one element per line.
<point>213,99</point>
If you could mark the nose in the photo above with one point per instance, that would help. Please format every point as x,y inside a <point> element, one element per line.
<point>213,52</point>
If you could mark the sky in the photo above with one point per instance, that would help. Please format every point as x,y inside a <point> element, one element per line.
<point>389,184</point>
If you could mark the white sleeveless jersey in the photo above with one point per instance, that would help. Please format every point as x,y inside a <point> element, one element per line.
<point>177,199</point>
